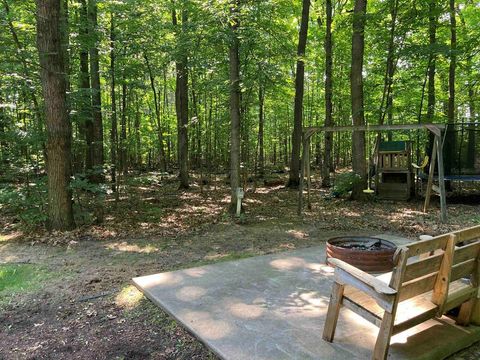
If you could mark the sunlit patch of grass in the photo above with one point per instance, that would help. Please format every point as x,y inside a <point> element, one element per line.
<point>128,298</point>
<point>8,237</point>
<point>15,279</point>
<point>219,257</point>
<point>124,246</point>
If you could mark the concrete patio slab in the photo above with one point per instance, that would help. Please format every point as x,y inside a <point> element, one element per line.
<point>273,307</point>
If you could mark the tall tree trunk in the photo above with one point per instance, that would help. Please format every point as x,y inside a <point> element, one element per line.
<point>97,143</point>
<point>163,160</point>
<point>181,99</point>
<point>472,130</point>
<point>3,141</point>
<point>390,69</point>
<point>356,79</point>
<point>327,165</point>
<point>234,65</point>
<point>113,127</point>
<point>431,101</point>
<point>293,180</point>
<point>432,31</point>
<point>59,132</point>
<point>138,145</point>
<point>85,111</point>
<point>261,122</point>
<point>123,132</point>
<point>450,139</point>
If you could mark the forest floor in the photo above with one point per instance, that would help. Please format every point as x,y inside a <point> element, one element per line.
<point>69,296</point>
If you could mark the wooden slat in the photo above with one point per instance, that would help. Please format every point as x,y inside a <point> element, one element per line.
<point>364,300</point>
<point>413,321</point>
<point>468,234</point>
<point>423,267</point>
<point>459,297</point>
<point>467,252</point>
<point>442,282</point>
<point>363,312</point>
<point>463,269</point>
<point>424,246</point>
<point>418,286</point>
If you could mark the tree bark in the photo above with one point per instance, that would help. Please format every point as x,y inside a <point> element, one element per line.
<point>59,132</point>
<point>113,120</point>
<point>181,99</point>
<point>432,31</point>
<point>138,140</point>
<point>294,177</point>
<point>86,110</point>
<point>356,83</point>
<point>327,165</point>
<point>97,140</point>
<point>472,130</point>
<point>163,160</point>
<point>450,139</point>
<point>3,141</point>
<point>431,98</point>
<point>390,69</point>
<point>123,132</point>
<point>261,123</point>
<point>234,67</point>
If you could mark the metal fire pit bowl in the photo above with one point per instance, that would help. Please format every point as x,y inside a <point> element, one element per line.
<point>366,253</point>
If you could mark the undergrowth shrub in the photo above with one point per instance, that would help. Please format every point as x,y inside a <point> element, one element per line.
<point>344,183</point>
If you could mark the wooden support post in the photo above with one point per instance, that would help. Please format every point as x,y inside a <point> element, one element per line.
<point>302,174</point>
<point>240,196</point>
<point>431,172</point>
<point>442,282</point>
<point>333,311</point>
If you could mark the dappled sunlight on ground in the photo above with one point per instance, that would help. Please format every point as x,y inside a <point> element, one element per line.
<point>289,263</point>
<point>211,328</point>
<point>124,246</point>
<point>244,311</point>
<point>298,234</point>
<point>128,298</point>
<point>190,293</point>
<point>10,237</point>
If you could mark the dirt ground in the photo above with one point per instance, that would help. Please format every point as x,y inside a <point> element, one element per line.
<point>83,305</point>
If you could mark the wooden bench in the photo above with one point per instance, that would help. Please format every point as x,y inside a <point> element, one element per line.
<point>430,278</point>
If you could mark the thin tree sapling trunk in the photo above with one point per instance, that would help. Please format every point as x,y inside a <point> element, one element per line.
<point>294,177</point>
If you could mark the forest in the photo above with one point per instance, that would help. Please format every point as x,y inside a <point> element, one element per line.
<point>212,87</point>
<point>130,130</point>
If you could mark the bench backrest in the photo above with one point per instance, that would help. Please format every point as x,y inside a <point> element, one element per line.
<point>449,257</point>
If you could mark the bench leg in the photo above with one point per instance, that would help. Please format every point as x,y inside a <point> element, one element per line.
<point>384,334</point>
<point>333,311</point>
<point>465,313</point>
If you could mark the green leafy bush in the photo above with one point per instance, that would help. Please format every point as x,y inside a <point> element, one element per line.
<point>25,201</point>
<point>344,183</point>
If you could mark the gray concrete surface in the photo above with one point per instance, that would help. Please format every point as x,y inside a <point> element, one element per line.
<point>273,307</point>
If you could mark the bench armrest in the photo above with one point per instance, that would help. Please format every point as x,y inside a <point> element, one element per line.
<point>347,274</point>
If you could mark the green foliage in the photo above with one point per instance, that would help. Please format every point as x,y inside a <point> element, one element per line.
<point>26,201</point>
<point>344,183</point>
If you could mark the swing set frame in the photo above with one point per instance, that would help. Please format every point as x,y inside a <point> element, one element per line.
<point>436,159</point>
